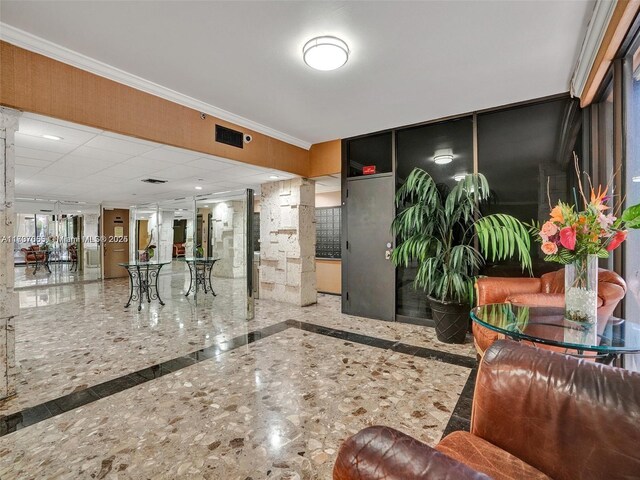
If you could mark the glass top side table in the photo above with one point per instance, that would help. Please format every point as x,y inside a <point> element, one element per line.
<point>609,338</point>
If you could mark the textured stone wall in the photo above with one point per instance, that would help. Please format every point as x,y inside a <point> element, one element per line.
<point>229,221</point>
<point>287,241</point>
<point>8,298</point>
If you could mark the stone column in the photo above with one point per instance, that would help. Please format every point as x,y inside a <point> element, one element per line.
<point>288,241</point>
<point>8,298</point>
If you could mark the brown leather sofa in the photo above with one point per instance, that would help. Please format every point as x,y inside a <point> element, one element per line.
<point>536,414</point>
<point>546,291</point>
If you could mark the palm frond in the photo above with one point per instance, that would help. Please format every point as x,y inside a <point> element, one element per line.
<point>501,236</point>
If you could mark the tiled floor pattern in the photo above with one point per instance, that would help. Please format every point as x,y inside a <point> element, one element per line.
<point>81,336</point>
<point>277,408</point>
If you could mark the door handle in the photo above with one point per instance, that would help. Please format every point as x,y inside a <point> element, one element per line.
<point>388,251</point>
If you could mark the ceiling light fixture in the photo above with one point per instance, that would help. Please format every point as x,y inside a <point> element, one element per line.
<point>274,177</point>
<point>52,137</point>
<point>636,179</point>
<point>325,53</point>
<point>198,188</point>
<point>459,177</point>
<point>443,159</point>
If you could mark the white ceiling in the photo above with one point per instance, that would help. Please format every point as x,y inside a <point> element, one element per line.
<point>410,62</point>
<point>94,166</point>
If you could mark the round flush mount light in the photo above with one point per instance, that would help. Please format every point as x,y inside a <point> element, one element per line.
<point>274,177</point>
<point>52,137</point>
<point>443,159</point>
<point>459,177</point>
<point>198,188</point>
<point>636,179</point>
<point>325,53</point>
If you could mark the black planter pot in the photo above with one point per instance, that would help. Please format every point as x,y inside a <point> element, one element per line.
<point>451,319</point>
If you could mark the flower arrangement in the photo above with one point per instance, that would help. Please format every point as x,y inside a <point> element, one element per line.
<point>570,234</point>
<point>576,239</point>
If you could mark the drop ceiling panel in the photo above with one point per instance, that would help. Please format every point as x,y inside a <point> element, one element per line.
<point>167,154</point>
<point>100,155</point>
<point>32,162</point>
<point>39,143</point>
<point>36,125</point>
<point>37,154</point>
<point>24,172</point>
<point>118,145</point>
<point>184,172</point>
<point>209,163</point>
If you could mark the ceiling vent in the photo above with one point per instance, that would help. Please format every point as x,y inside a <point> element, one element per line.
<point>155,181</point>
<point>229,137</point>
<point>46,211</point>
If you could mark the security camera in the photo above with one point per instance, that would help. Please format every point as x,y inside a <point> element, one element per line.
<point>247,138</point>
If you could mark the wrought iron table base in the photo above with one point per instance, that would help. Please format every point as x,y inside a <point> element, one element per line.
<point>143,281</point>
<point>200,274</point>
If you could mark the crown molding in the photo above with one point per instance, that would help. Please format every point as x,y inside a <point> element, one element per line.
<point>30,42</point>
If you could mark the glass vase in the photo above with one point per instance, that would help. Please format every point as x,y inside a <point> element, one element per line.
<point>581,290</point>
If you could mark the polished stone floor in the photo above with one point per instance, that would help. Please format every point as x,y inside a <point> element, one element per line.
<point>192,390</point>
<point>61,273</point>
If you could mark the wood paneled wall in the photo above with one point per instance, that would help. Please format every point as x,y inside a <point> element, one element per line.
<point>36,83</point>
<point>326,158</point>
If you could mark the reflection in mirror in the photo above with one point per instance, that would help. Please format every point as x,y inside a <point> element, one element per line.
<point>55,243</point>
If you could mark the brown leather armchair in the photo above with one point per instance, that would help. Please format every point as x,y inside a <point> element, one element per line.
<point>178,249</point>
<point>547,290</point>
<point>536,414</point>
<point>33,254</point>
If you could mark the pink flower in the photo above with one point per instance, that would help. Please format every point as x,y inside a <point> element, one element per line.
<point>544,237</point>
<point>549,248</point>
<point>616,240</point>
<point>568,238</point>
<point>606,221</point>
<point>549,229</point>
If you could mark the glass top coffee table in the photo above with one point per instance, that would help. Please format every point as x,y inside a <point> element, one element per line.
<point>608,339</point>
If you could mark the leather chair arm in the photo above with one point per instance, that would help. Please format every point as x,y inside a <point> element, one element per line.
<point>382,453</point>
<point>527,397</point>
<point>497,289</point>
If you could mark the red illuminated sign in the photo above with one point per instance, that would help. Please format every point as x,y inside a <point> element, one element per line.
<point>369,170</point>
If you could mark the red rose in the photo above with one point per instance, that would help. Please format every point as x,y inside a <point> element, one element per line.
<point>568,238</point>
<point>616,240</point>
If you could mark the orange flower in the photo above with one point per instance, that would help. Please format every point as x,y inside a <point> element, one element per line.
<point>549,248</point>
<point>598,200</point>
<point>556,214</point>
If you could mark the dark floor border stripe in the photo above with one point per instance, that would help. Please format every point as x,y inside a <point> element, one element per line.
<point>423,352</point>
<point>460,418</point>
<point>32,415</point>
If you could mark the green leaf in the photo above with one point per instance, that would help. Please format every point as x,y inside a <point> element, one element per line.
<point>631,216</point>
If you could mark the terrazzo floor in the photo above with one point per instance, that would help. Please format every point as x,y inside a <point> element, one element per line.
<point>275,406</point>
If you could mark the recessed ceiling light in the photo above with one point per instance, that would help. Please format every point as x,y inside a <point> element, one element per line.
<point>443,159</point>
<point>206,206</point>
<point>198,188</point>
<point>79,211</point>
<point>459,177</point>
<point>636,179</point>
<point>274,177</point>
<point>325,53</point>
<point>52,137</point>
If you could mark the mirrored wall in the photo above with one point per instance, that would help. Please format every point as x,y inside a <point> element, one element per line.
<point>202,243</point>
<point>55,243</point>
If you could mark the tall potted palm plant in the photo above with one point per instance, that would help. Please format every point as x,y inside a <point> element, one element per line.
<point>449,239</point>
